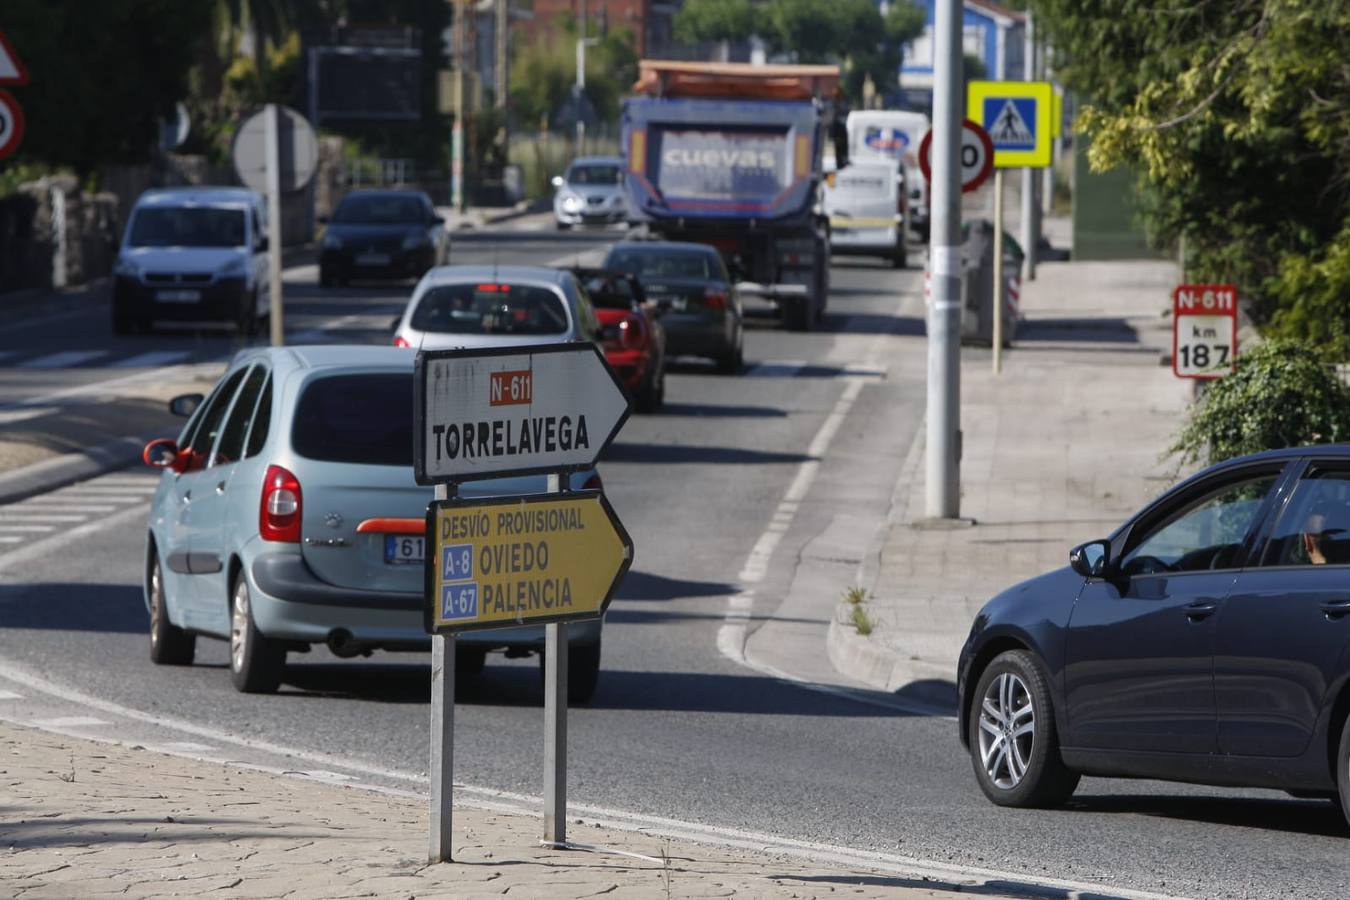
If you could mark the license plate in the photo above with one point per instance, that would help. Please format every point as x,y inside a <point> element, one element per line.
<point>675,303</point>
<point>402,549</point>
<point>178,296</point>
<point>372,259</point>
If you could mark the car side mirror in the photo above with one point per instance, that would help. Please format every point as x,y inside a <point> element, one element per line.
<point>185,404</point>
<point>263,244</point>
<point>1091,560</point>
<point>556,181</point>
<point>438,220</point>
<point>163,453</point>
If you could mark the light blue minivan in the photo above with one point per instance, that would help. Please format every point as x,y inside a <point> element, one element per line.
<point>287,516</point>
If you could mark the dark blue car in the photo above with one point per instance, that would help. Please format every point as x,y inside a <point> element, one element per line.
<point>1207,640</point>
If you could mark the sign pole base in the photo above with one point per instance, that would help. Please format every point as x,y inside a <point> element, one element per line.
<point>555,717</point>
<point>442,746</point>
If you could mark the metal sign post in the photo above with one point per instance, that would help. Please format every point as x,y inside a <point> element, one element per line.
<point>275,312</point>
<point>998,271</point>
<point>509,561</point>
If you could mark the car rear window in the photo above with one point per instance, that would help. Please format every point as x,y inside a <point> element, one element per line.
<point>653,263</point>
<point>490,309</point>
<point>359,418</point>
<point>379,210</point>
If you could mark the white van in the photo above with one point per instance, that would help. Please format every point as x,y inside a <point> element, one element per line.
<point>894,134</point>
<point>865,203</point>
<point>192,254</point>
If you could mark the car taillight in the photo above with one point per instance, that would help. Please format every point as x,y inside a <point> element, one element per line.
<point>593,483</point>
<point>279,508</point>
<point>400,341</point>
<point>631,333</point>
<point>715,298</point>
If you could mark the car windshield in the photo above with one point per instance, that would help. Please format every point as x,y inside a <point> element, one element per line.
<point>593,173</point>
<point>610,292</point>
<point>490,309</point>
<point>379,210</point>
<point>654,263</point>
<point>359,418</point>
<point>187,226</point>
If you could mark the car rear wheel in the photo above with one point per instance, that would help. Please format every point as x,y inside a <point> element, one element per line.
<point>169,644</point>
<point>256,662</point>
<point>1343,770</point>
<point>1013,745</point>
<point>652,395</point>
<point>583,672</point>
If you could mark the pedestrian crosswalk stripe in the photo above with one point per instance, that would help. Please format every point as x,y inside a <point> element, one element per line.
<point>70,722</point>
<point>10,695</point>
<point>66,359</point>
<point>26,516</point>
<point>4,527</point>
<point>152,359</point>
<point>9,539</point>
<point>63,507</point>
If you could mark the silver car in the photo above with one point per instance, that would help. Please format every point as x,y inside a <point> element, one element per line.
<point>287,516</point>
<point>495,306</point>
<point>590,192</point>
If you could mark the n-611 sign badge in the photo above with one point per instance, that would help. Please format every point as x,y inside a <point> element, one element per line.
<point>1204,330</point>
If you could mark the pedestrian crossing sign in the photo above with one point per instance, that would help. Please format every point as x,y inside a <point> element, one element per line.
<point>1019,116</point>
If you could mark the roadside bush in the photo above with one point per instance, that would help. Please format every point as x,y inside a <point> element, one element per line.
<point>1282,395</point>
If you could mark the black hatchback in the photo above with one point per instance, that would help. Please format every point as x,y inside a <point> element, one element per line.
<point>1207,640</point>
<point>382,234</point>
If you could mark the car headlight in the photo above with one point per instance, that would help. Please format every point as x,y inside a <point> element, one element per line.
<point>332,241</point>
<point>416,240</point>
<point>126,268</point>
<point>571,202</point>
<point>235,268</point>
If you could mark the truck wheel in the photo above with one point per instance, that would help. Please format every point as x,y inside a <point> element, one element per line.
<point>799,314</point>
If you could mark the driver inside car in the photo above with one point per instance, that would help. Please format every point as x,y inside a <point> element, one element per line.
<point>1324,538</point>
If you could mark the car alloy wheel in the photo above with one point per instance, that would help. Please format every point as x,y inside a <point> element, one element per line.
<point>1007,730</point>
<point>239,616</point>
<point>169,644</point>
<point>256,663</point>
<point>1014,745</point>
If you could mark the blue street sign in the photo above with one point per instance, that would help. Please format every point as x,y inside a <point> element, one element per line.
<point>1011,122</point>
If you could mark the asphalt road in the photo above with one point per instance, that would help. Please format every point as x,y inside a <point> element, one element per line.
<point>676,729</point>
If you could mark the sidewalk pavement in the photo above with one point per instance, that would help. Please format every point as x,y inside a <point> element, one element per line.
<point>85,819</point>
<point>1059,449</point>
<point>482,217</point>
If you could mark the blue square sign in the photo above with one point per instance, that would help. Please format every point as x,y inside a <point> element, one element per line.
<point>1011,122</point>
<point>459,601</point>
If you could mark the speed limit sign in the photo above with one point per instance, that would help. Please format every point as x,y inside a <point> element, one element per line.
<point>11,124</point>
<point>977,156</point>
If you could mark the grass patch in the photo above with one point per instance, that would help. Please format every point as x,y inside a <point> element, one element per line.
<point>860,620</point>
<point>855,595</point>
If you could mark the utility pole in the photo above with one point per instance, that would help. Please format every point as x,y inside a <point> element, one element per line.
<point>1031,209</point>
<point>581,76</point>
<point>942,469</point>
<point>501,34</point>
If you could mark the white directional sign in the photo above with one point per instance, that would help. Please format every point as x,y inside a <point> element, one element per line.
<point>513,411</point>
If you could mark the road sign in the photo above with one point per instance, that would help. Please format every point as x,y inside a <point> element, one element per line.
<point>527,560</point>
<point>11,67</point>
<point>11,124</point>
<point>1018,116</point>
<point>513,410</point>
<point>1204,330</point>
<point>297,146</point>
<point>977,156</point>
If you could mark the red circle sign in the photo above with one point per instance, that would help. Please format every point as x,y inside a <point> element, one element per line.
<point>977,156</point>
<point>11,124</point>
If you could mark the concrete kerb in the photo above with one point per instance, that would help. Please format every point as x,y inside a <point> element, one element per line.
<point>50,474</point>
<point>855,655</point>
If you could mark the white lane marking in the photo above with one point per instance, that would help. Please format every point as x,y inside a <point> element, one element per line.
<point>183,747</point>
<point>5,527</point>
<point>605,817</point>
<point>23,515</point>
<point>71,722</point>
<point>64,540</point>
<point>776,368</point>
<point>9,539</point>
<point>10,695</point>
<point>321,335</point>
<point>66,359</point>
<point>153,358</point>
<point>63,507</point>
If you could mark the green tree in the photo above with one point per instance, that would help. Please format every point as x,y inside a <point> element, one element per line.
<point>543,73</point>
<point>851,32</point>
<point>103,75</point>
<point>1236,116</point>
<point>1282,395</point>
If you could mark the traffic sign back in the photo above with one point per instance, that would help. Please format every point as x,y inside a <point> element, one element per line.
<point>1019,117</point>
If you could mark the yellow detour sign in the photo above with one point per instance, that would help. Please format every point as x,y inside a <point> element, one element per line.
<point>522,560</point>
<point>1019,116</point>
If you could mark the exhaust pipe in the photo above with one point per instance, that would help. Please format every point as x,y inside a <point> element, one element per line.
<point>341,645</point>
